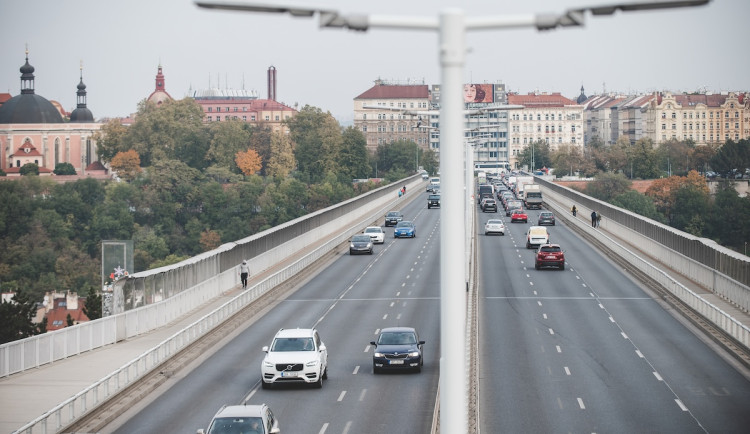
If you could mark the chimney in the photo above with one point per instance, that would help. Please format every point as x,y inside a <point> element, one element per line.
<point>272,83</point>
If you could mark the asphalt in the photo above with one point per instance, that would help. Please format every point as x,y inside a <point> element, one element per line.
<point>27,395</point>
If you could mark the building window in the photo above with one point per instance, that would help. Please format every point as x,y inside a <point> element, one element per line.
<point>277,117</point>
<point>674,115</point>
<point>663,126</point>
<point>218,118</point>
<point>209,109</point>
<point>226,118</point>
<point>208,119</point>
<point>364,128</point>
<point>674,126</point>
<point>236,109</point>
<point>268,118</point>
<point>226,109</point>
<point>244,118</point>
<point>252,117</point>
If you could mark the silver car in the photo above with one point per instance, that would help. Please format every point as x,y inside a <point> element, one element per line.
<point>232,419</point>
<point>494,226</point>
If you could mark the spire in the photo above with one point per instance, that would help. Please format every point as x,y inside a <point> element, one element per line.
<point>27,76</point>
<point>160,85</point>
<point>81,91</point>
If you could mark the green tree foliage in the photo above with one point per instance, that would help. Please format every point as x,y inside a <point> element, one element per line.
<point>638,203</point>
<point>281,160</point>
<point>16,317</point>
<point>111,139</point>
<point>569,160</point>
<point>317,142</point>
<point>541,153</point>
<point>727,221</point>
<point>674,156</point>
<point>607,185</point>
<point>397,160</point>
<point>64,169</point>
<point>428,159</point>
<point>353,158</point>
<point>93,306</point>
<point>732,156</point>
<point>643,159</point>
<point>226,140</point>
<point>260,142</point>
<point>690,209</point>
<point>701,157</point>
<point>29,169</point>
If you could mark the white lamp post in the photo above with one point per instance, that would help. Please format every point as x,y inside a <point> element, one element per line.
<point>452,27</point>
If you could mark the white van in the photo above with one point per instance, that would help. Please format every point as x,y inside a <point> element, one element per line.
<point>536,236</point>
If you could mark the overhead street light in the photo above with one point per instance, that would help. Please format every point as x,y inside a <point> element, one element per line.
<point>451,25</point>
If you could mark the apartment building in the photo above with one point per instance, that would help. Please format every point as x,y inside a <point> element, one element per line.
<point>551,118</point>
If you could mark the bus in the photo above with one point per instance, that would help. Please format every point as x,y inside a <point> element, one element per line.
<point>492,168</point>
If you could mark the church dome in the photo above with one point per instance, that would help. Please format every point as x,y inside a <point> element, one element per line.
<point>81,113</point>
<point>29,108</point>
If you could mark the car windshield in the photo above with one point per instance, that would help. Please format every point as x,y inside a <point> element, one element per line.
<point>549,249</point>
<point>233,425</point>
<point>397,338</point>
<point>494,222</point>
<point>293,344</point>
<point>373,230</point>
<point>404,225</point>
<point>546,214</point>
<point>393,214</point>
<point>361,239</point>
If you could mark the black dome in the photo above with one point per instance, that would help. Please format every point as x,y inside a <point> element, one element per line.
<point>29,108</point>
<point>82,114</point>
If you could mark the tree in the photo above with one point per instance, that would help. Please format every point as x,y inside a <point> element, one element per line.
<point>353,158</point>
<point>674,156</point>
<point>127,165</point>
<point>111,139</point>
<point>64,169</point>
<point>210,240</point>
<point>643,159</point>
<point>568,159</point>
<point>227,139</point>
<point>17,318</point>
<point>29,169</point>
<point>317,142</point>
<point>727,222</point>
<point>690,209</point>
<point>260,142</point>
<point>541,152</point>
<point>429,161</point>
<point>732,156</point>
<point>93,306</point>
<point>701,157</point>
<point>607,185</point>
<point>638,203</point>
<point>248,161</point>
<point>281,162</point>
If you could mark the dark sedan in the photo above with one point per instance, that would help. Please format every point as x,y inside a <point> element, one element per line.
<point>360,244</point>
<point>546,218</point>
<point>397,348</point>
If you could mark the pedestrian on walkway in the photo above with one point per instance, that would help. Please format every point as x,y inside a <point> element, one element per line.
<point>598,219</point>
<point>244,271</point>
<point>575,210</point>
<point>593,219</point>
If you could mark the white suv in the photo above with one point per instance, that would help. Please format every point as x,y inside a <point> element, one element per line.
<point>295,356</point>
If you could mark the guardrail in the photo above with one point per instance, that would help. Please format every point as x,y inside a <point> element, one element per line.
<point>73,408</point>
<point>710,311</point>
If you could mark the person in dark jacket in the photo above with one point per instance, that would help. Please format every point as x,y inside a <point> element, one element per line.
<point>593,219</point>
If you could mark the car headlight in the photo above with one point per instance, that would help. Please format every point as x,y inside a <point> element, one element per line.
<point>377,354</point>
<point>267,364</point>
<point>414,354</point>
<point>311,363</point>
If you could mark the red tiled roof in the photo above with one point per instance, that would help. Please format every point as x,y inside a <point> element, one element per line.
<point>384,91</point>
<point>709,100</point>
<point>96,165</point>
<point>61,317</point>
<point>254,104</point>
<point>539,100</point>
<point>18,170</point>
<point>5,97</point>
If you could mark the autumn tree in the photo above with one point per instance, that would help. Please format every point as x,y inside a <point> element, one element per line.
<point>210,240</point>
<point>111,139</point>
<point>248,161</point>
<point>127,164</point>
<point>281,162</point>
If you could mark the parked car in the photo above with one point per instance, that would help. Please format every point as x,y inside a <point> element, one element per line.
<point>546,218</point>
<point>231,419</point>
<point>376,233</point>
<point>393,217</point>
<point>295,356</point>
<point>397,348</point>
<point>550,255</point>
<point>489,205</point>
<point>536,236</point>
<point>361,243</point>
<point>433,200</point>
<point>405,229</point>
<point>518,215</point>
<point>494,226</point>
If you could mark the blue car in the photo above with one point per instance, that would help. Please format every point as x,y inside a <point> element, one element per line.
<point>405,229</point>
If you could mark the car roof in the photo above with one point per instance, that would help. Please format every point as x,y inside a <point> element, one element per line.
<point>405,223</point>
<point>549,245</point>
<point>374,227</point>
<point>398,329</point>
<point>494,221</point>
<point>241,411</point>
<point>295,333</point>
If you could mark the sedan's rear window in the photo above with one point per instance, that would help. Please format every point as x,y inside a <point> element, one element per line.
<point>550,249</point>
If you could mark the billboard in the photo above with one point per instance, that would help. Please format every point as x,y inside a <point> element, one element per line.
<point>479,93</point>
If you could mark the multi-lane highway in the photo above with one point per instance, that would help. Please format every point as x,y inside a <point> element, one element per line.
<point>348,302</point>
<point>588,350</point>
<point>580,350</point>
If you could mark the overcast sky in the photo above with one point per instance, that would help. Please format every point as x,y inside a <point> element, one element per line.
<point>122,43</point>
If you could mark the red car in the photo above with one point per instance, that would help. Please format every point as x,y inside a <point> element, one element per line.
<point>550,255</point>
<point>518,215</point>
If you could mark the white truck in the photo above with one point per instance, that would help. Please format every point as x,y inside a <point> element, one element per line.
<point>522,181</point>
<point>532,196</point>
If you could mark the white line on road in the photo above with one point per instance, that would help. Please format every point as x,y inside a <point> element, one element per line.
<point>362,395</point>
<point>682,406</point>
<point>323,429</point>
<point>356,369</point>
<point>658,377</point>
<point>341,397</point>
<point>567,371</point>
<point>580,404</point>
